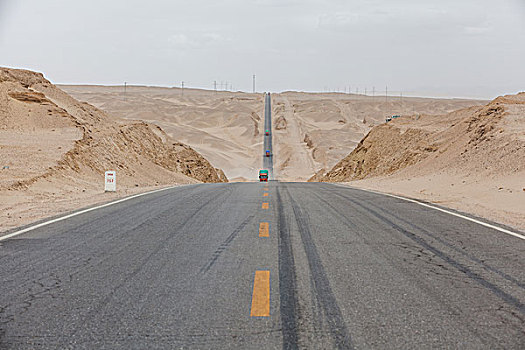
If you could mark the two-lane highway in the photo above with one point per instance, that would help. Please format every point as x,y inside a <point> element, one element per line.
<point>268,147</point>
<point>345,269</point>
<point>263,266</point>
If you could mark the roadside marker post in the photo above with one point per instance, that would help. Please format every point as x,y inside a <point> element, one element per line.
<point>110,181</point>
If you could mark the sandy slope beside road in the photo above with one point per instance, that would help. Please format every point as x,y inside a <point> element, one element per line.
<point>497,199</point>
<point>225,127</point>
<point>472,160</point>
<point>54,151</point>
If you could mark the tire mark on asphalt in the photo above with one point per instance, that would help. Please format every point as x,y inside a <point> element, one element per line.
<point>31,264</point>
<point>161,245</point>
<point>452,247</point>
<point>457,250</point>
<point>224,245</point>
<point>18,307</point>
<point>287,280</point>
<point>323,291</point>
<point>509,299</point>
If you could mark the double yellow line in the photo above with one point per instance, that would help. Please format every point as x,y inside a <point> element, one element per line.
<point>261,281</point>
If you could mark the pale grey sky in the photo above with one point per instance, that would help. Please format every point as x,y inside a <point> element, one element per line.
<point>428,47</point>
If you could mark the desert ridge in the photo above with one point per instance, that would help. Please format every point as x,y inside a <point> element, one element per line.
<point>465,154</point>
<point>311,131</point>
<point>54,151</point>
<point>472,160</point>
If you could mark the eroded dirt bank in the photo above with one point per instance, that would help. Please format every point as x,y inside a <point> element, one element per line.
<point>54,151</point>
<point>472,160</point>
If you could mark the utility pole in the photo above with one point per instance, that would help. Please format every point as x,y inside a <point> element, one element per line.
<point>365,91</point>
<point>182,88</point>
<point>373,92</point>
<point>125,86</point>
<point>253,83</point>
<point>386,93</point>
<point>215,85</point>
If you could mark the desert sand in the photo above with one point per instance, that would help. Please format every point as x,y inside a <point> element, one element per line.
<point>311,131</point>
<point>225,127</point>
<point>464,154</point>
<point>472,160</point>
<point>54,151</point>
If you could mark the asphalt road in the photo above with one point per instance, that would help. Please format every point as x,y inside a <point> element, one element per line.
<point>268,161</point>
<point>188,268</point>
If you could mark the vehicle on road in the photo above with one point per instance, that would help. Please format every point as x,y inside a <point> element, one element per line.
<point>267,132</point>
<point>387,119</point>
<point>267,154</point>
<point>263,175</point>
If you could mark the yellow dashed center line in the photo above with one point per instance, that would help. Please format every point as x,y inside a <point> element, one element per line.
<point>264,229</point>
<point>265,205</point>
<point>265,194</point>
<point>261,294</point>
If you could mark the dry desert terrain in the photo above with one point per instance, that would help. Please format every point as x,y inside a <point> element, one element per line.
<point>311,131</point>
<point>472,160</point>
<point>56,142</point>
<point>54,151</point>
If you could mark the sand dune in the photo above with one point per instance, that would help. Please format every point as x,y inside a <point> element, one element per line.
<point>472,159</point>
<point>54,151</point>
<point>465,159</point>
<point>311,131</point>
<point>224,127</point>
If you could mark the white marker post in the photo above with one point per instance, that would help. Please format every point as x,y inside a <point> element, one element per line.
<point>110,178</point>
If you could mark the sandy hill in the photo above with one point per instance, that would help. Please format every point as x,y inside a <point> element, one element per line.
<point>225,127</point>
<point>472,159</point>
<point>312,131</point>
<point>53,147</point>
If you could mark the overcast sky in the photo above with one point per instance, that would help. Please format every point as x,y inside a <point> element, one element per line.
<point>426,47</point>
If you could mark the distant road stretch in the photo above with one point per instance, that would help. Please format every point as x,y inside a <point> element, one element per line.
<point>222,266</point>
<point>268,160</point>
